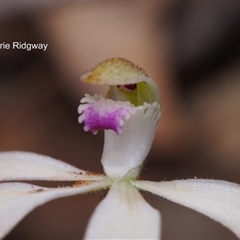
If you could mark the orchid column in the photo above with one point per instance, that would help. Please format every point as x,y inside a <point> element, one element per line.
<point>129,115</point>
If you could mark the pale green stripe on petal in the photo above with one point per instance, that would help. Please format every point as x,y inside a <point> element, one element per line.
<point>18,199</point>
<point>17,165</point>
<point>219,200</point>
<point>124,214</point>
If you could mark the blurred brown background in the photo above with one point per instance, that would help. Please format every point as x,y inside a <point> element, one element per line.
<point>190,49</point>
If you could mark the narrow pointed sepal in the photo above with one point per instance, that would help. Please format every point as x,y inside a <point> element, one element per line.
<point>18,199</point>
<point>124,214</point>
<point>219,200</point>
<point>17,165</point>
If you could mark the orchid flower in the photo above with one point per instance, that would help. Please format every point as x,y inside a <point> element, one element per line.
<point>129,116</point>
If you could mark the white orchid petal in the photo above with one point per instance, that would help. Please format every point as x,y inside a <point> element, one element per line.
<point>124,214</point>
<point>121,153</point>
<point>16,165</point>
<point>219,200</point>
<point>18,199</point>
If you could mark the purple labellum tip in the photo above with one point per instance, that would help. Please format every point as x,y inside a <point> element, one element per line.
<point>104,115</point>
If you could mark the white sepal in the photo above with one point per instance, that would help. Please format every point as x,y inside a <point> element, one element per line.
<point>16,165</point>
<point>124,214</point>
<point>18,199</point>
<point>124,152</point>
<point>219,200</point>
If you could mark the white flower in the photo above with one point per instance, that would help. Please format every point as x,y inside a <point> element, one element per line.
<point>129,117</point>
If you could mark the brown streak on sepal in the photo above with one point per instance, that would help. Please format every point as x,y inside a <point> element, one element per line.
<point>37,190</point>
<point>95,174</point>
<point>81,183</point>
